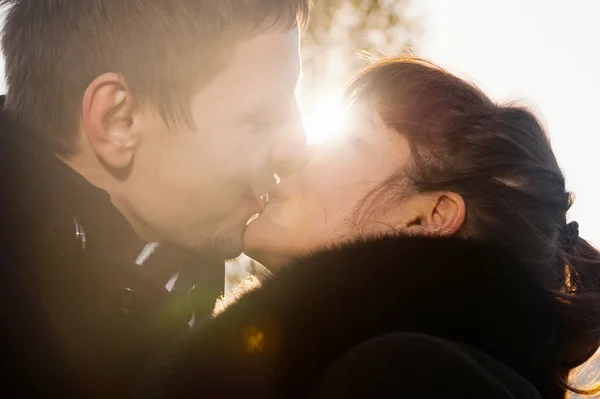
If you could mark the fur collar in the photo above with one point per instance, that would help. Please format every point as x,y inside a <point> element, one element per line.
<point>277,339</point>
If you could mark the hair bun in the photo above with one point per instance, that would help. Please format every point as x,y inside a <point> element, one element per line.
<point>570,234</point>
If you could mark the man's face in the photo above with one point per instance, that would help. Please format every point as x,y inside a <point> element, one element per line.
<point>198,188</point>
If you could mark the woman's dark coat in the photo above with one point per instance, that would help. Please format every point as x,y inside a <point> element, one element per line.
<point>394,317</point>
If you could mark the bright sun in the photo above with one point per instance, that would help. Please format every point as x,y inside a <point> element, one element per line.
<point>323,115</point>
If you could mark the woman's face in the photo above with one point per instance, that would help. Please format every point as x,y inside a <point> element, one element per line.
<point>316,207</point>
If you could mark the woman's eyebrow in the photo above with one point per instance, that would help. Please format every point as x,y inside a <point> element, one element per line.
<point>372,121</point>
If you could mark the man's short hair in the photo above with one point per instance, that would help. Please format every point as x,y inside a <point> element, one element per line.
<point>165,49</point>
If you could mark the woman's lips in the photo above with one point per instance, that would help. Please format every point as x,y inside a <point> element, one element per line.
<point>277,197</point>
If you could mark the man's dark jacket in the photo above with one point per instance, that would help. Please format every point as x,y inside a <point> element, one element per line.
<point>80,310</point>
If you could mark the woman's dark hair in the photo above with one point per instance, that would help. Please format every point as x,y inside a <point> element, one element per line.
<point>500,160</point>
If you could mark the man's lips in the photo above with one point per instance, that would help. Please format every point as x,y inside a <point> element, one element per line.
<point>271,192</point>
<point>275,196</point>
<point>263,201</point>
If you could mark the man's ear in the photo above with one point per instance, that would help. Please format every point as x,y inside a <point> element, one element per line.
<point>439,214</point>
<point>108,121</point>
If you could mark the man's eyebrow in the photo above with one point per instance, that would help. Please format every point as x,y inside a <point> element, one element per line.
<point>257,111</point>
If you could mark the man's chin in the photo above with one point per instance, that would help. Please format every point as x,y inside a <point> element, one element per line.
<point>224,249</point>
<point>218,247</point>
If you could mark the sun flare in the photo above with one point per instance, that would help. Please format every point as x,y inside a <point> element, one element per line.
<point>323,116</point>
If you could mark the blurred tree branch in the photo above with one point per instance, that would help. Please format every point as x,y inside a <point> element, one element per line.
<point>339,29</point>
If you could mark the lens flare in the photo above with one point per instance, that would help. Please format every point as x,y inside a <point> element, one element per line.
<point>323,116</point>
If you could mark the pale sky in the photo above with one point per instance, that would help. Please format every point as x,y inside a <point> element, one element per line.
<point>546,52</point>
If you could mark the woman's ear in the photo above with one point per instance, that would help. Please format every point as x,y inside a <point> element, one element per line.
<point>448,215</point>
<point>109,122</point>
<point>439,214</point>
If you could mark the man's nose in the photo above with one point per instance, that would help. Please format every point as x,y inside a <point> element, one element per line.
<point>291,151</point>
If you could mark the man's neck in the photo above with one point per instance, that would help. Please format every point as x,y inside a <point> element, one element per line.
<point>88,167</point>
